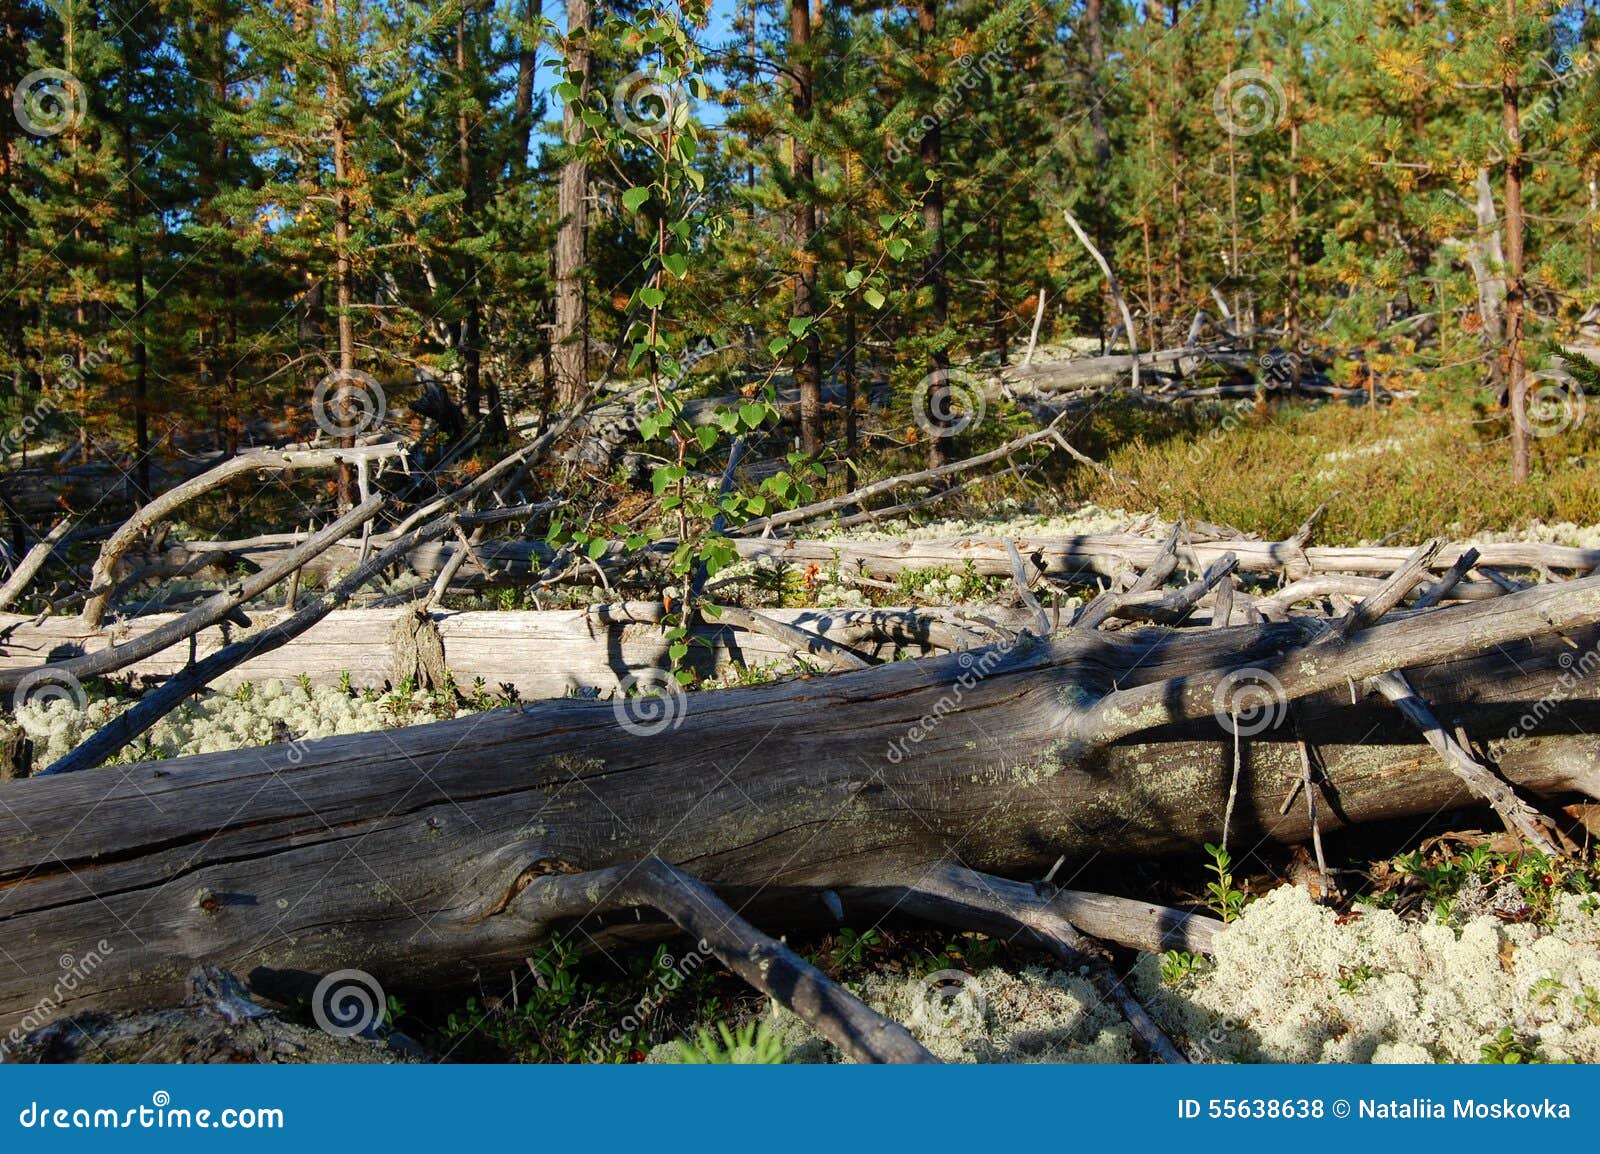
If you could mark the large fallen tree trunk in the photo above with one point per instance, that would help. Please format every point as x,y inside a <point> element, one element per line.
<point>448,851</point>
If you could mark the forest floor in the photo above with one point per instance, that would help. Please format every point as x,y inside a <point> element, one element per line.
<point>1402,472</point>
<point>1449,955</point>
<point>1436,950</point>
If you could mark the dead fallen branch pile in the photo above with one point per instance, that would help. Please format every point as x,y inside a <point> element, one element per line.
<point>432,859</point>
<point>1206,675</point>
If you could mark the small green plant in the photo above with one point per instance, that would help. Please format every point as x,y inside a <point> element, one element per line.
<point>1222,897</point>
<point>1587,1003</point>
<point>1178,965</point>
<point>1539,881</point>
<point>850,949</point>
<point>969,952</point>
<point>1352,978</point>
<point>544,1024</point>
<point>1506,1049</point>
<point>751,1044</point>
<point>1544,991</point>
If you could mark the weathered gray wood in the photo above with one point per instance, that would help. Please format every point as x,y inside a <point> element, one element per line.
<point>1519,816</point>
<point>28,568</point>
<point>1090,555</point>
<point>548,653</point>
<point>104,743</point>
<point>218,1022</point>
<point>215,609</point>
<point>401,853</point>
<point>103,578</point>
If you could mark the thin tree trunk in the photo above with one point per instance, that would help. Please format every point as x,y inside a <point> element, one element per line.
<point>467,334</point>
<point>808,374</point>
<point>1093,17</point>
<point>1292,308</point>
<point>849,374</point>
<point>527,69</point>
<point>343,271</point>
<point>1516,387</point>
<point>141,356</point>
<point>571,335</point>
<point>1592,183</point>
<point>938,396</point>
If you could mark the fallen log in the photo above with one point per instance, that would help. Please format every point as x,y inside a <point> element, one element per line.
<point>28,568</point>
<point>548,653</point>
<point>417,856</point>
<point>215,609</point>
<point>1084,373</point>
<point>104,575</point>
<point>154,706</point>
<point>1086,556</point>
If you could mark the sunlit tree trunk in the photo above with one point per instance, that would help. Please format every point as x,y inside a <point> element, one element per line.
<point>938,397</point>
<point>803,171</point>
<point>1516,386</point>
<point>571,335</point>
